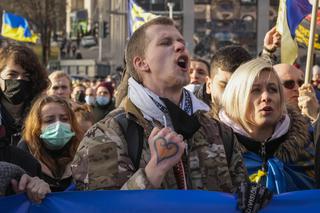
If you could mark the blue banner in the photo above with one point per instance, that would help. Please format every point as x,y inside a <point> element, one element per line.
<point>158,201</point>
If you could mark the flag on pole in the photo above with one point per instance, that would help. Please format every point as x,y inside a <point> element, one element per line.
<point>303,33</point>
<point>137,16</point>
<point>17,28</point>
<point>290,14</point>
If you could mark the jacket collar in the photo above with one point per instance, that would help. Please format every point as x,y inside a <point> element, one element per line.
<point>67,172</point>
<point>293,144</point>
<point>133,112</point>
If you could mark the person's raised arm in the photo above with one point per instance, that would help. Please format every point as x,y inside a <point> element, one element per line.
<point>272,41</point>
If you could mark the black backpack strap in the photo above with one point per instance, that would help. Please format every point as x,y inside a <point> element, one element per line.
<point>134,137</point>
<point>228,140</point>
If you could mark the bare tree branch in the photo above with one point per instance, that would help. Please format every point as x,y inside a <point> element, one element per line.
<point>43,14</point>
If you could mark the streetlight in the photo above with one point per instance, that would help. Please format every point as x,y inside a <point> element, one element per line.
<point>170,5</point>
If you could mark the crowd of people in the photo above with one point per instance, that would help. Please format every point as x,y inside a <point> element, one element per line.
<point>237,124</point>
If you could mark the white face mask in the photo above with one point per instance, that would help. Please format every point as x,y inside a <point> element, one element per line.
<point>192,87</point>
<point>90,100</point>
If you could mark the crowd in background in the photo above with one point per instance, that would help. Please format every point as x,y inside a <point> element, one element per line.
<point>251,117</point>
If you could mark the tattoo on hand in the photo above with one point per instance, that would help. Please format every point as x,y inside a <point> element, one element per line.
<point>165,149</point>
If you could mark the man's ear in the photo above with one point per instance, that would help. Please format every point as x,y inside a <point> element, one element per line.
<point>140,64</point>
<point>208,86</point>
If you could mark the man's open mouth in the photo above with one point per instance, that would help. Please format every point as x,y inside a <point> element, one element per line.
<point>183,62</point>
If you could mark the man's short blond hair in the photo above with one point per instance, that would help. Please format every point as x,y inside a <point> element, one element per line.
<point>59,74</point>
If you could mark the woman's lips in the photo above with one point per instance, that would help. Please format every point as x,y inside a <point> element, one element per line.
<point>266,110</point>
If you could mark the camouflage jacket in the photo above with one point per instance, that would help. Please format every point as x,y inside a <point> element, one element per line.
<point>102,160</point>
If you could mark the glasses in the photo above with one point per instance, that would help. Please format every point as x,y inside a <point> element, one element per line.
<point>290,84</point>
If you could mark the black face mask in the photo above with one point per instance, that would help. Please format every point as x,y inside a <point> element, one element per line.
<point>80,97</point>
<point>16,91</point>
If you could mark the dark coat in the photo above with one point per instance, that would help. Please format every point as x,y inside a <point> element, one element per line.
<point>56,184</point>
<point>9,127</point>
<point>100,112</point>
<point>293,148</point>
<point>316,135</point>
<point>18,157</point>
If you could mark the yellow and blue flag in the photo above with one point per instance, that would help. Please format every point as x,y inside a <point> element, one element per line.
<point>137,16</point>
<point>17,28</point>
<point>290,14</point>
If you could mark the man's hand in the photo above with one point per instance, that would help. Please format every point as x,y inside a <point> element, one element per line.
<point>35,188</point>
<point>308,102</point>
<point>272,40</point>
<point>166,147</point>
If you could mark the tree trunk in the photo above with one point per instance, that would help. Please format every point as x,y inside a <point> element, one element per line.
<point>45,43</point>
<point>44,50</point>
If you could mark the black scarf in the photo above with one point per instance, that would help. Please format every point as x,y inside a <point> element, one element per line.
<point>183,124</point>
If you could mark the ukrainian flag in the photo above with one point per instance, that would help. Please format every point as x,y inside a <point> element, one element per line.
<point>137,16</point>
<point>290,14</point>
<point>17,28</point>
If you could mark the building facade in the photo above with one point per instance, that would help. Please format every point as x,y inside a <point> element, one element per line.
<point>206,24</point>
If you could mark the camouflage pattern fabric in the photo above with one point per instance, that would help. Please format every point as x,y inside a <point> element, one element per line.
<point>102,160</point>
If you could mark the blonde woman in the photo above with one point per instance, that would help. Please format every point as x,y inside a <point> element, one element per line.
<point>274,140</point>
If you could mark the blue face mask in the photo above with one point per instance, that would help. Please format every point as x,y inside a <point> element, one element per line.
<point>55,136</point>
<point>90,100</point>
<point>102,100</point>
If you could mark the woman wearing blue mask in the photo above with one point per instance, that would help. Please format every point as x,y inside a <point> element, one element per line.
<point>52,135</point>
<point>104,101</point>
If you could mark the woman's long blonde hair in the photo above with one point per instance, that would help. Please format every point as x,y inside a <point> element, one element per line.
<point>235,99</point>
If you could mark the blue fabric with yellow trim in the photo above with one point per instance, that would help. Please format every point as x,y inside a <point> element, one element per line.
<point>280,177</point>
<point>17,28</point>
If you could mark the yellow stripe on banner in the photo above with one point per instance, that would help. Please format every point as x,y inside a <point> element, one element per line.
<point>17,34</point>
<point>148,16</point>
<point>136,25</point>
<point>289,48</point>
<point>138,12</point>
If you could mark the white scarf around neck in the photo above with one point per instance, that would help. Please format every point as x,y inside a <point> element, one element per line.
<point>141,98</point>
<point>281,129</point>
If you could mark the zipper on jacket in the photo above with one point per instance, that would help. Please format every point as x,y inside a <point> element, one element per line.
<point>263,154</point>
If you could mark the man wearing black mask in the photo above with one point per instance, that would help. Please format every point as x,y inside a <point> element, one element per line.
<point>78,93</point>
<point>22,78</point>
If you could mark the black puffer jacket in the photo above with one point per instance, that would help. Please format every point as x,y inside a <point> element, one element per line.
<point>18,157</point>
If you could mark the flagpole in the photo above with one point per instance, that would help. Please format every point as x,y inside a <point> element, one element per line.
<point>309,65</point>
<point>2,27</point>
